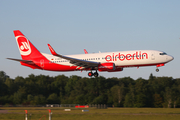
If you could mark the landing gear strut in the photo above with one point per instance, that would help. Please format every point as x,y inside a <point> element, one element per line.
<point>95,74</point>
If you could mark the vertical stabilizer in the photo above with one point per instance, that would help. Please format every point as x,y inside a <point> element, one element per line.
<point>27,50</point>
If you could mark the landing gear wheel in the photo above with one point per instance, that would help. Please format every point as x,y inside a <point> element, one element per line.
<point>157,70</point>
<point>90,74</point>
<point>96,74</point>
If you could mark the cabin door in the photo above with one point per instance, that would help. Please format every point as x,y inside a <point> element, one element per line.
<point>42,63</point>
<point>152,56</point>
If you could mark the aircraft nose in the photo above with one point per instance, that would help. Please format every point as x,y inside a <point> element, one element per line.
<point>170,58</point>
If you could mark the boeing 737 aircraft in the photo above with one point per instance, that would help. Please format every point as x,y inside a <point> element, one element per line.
<point>108,61</point>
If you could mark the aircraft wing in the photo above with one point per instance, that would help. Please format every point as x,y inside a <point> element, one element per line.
<point>75,61</point>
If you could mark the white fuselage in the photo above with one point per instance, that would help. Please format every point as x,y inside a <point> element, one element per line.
<point>121,58</point>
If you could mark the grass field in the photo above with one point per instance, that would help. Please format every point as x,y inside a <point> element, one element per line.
<point>42,113</point>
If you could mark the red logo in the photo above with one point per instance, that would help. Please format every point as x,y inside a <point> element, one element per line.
<point>122,57</point>
<point>24,45</point>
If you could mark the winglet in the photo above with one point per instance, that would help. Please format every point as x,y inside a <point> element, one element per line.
<point>85,51</point>
<point>52,50</point>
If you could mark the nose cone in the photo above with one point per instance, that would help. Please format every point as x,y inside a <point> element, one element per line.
<point>170,58</point>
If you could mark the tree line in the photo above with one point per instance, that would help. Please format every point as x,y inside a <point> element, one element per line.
<point>121,92</point>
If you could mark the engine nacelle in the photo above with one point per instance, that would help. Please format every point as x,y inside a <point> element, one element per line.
<point>117,69</point>
<point>106,67</point>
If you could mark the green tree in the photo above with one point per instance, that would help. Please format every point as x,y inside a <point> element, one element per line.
<point>117,94</point>
<point>130,97</point>
<point>3,88</point>
<point>80,99</point>
<point>30,98</point>
<point>61,81</point>
<point>140,100</point>
<point>53,99</point>
<point>17,98</point>
<point>70,84</point>
<point>129,100</point>
<point>141,93</point>
<point>157,100</point>
<point>168,97</point>
<point>40,100</point>
<point>100,99</point>
<point>3,76</point>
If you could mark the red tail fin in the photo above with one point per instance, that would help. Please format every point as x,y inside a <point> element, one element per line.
<point>26,48</point>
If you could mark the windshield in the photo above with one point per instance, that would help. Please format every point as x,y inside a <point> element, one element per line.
<point>163,53</point>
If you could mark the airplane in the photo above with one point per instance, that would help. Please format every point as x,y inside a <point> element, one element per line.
<point>107,61</point>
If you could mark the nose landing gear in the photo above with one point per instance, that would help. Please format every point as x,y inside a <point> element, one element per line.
<point>159,65</point>
<point>157,70</point>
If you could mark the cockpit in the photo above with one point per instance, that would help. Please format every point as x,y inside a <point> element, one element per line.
<point>163,53</point>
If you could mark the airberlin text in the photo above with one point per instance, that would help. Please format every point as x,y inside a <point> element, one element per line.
<point>122,57</point>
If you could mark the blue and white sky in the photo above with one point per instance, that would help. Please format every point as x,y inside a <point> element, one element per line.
<point>96,25</point>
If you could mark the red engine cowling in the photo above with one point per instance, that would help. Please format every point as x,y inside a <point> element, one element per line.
<point>106,67</point>
<point>117,69</point>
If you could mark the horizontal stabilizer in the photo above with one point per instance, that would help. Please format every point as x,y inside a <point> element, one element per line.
<point>20,60</point>
<point>27,63</point>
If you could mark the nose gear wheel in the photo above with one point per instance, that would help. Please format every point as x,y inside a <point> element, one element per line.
<point>157,70</point>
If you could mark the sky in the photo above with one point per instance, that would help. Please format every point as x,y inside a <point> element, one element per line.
<point>95,25</point>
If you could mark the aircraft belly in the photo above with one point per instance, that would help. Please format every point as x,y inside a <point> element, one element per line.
<point>134,62</point>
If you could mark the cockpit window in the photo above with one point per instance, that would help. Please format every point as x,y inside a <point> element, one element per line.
<point>163,53</point>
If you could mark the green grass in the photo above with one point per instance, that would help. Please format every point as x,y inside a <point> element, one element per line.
<point>18,113</point>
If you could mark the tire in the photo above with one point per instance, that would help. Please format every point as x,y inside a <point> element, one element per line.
<point>96,74</point>
<point>90,74</point>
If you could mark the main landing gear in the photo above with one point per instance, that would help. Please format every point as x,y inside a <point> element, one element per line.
<point>95,74</point>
